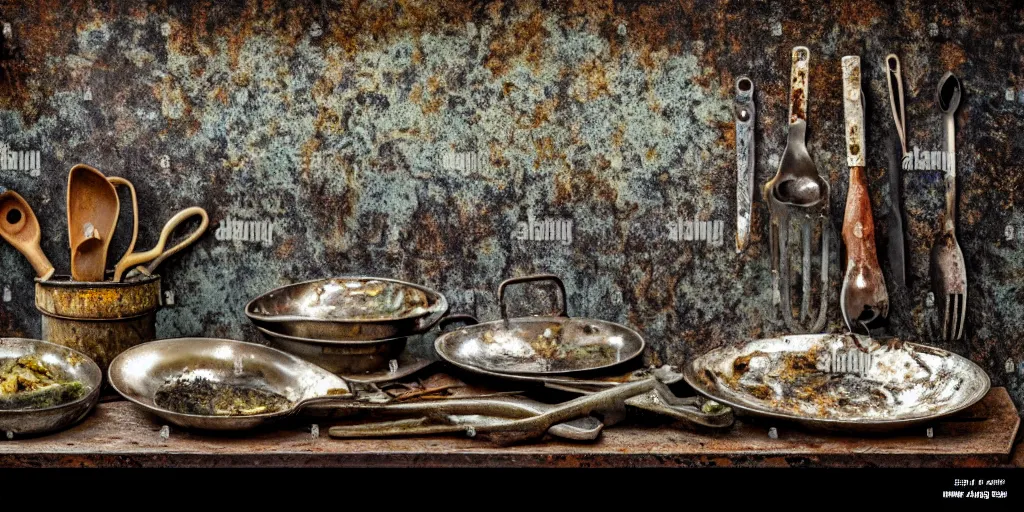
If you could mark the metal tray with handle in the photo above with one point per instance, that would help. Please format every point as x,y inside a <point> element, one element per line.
<point>539,345</point>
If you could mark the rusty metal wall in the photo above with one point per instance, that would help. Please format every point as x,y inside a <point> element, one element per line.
<point>411,138</point>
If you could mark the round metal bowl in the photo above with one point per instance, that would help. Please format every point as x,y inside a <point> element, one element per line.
<point>342,357</point>
<point>839,382</point>
<point>71,365</point>
<point>139,372</point>
<point>348,308</point>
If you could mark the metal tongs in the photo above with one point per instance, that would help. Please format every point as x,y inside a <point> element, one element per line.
<point>798,196</point>
<point>493,417</point>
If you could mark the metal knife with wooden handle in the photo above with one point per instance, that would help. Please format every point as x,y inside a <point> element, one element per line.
<point>864,297</point>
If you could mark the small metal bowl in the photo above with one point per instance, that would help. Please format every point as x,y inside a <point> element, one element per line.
<point>71,365</point>
<point>337,309</point>
<point>341,357</point>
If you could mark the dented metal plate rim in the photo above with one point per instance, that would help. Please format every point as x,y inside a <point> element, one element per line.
<point>839,382</point>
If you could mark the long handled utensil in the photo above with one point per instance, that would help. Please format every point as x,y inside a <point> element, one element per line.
<point>19,226</point>
<point>93,210</point>
<point>157,254</point>
<point>949,273</point>
<point>798,197</point>
<point>745,115</point>
<point>863,298</point>
<point>896,246</point>
<point>649,394</point>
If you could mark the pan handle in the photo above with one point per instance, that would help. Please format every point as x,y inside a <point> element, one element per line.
<point>459,317</point>
<point>563,306</point>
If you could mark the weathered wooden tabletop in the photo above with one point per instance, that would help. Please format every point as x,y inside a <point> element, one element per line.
<point>118,434</point>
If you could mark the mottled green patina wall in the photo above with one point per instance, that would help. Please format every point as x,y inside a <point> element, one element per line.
<point>336,122</point>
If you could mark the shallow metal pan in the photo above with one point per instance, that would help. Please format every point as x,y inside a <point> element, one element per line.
<point>341,309</point>
<point>839,382</point>
<point>140,371</point>
<point>549,345</point>
<point>70,365</point>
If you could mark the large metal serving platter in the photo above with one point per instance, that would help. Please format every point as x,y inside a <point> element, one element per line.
<point>839,382</point>
<point>348,308</point>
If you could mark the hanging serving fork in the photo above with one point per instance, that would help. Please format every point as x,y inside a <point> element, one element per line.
<point>949,273</point>
<point>798,197</point>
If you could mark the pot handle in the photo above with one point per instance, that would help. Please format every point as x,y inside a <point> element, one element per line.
<point>459,317</point>
<point>563,306</point>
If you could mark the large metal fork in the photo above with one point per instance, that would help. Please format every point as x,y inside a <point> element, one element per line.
<point>798,197</point>
<point>949,273</point>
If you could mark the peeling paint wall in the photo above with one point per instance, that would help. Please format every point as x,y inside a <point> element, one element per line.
<point>411,139</point>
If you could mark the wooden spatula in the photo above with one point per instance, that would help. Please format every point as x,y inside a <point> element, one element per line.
<point>19,226</point>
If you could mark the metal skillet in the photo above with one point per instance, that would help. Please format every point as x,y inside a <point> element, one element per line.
<point>68,365</point>
<point>139,372</point>
<point>539,345</point>
<point>348,308</point>
<point>836,382</point>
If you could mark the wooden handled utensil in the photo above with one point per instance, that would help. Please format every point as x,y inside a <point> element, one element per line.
<point>93,210</point>
<point>157,255</point>
<point>864,297</point>
<point>19,226</point>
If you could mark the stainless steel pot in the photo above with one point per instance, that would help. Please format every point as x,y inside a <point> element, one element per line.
<point>348,308</point>
<point>342,357</point>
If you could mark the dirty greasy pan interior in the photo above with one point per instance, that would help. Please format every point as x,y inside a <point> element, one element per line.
<point>66,365</point>
<point>348,308</point>
<point>140,372</point>
<point>839,382</point>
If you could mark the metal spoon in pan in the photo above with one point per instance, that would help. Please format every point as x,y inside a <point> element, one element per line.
<point>19,226</point>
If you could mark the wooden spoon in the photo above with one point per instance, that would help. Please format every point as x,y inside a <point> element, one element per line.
<point>19,226</point>
<point>93,202</point>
